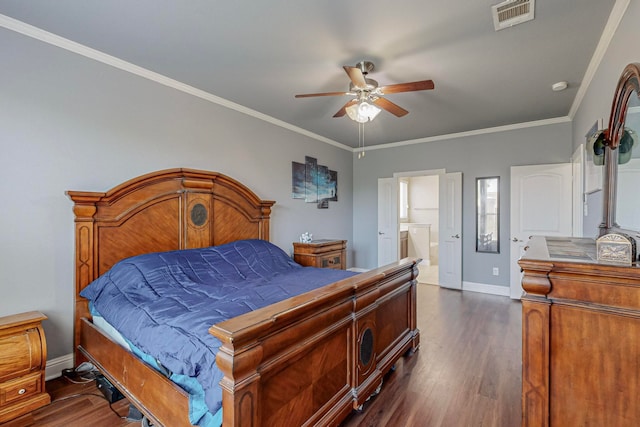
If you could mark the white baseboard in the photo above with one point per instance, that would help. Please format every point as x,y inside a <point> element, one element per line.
<point>486,289</point>
<point>357,270</point>
<point>55,366</point>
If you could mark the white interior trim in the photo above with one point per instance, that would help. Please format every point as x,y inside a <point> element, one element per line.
<point>419,173</point>
<point>495,129</point>
<point>486,289</point>
<point>56,366</point>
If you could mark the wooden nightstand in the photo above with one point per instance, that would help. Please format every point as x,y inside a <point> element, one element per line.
<point>321,253</point>
<point>23,357</point>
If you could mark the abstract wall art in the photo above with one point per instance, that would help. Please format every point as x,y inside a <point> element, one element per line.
<point>314,183</point>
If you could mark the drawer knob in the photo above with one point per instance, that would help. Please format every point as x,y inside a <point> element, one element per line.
<point>22,391</point>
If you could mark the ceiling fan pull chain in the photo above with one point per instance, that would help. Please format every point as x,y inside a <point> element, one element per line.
<point>359,137</point>
<point>362,124</point>
<point>361,140</point>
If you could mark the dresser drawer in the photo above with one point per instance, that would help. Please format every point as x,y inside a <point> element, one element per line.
<point>20,388</point>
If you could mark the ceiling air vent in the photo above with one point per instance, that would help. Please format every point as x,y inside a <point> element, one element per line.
<point>512,12</point>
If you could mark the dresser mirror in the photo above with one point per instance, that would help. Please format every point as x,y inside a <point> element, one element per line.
<point>621,205</point>
<point>628,177</point>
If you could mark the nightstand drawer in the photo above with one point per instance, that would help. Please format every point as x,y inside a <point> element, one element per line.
<point>23,356</point>
<point>323,253</point>
<point>331,261</point>
<point>20,353</point>
<point>20,388</point>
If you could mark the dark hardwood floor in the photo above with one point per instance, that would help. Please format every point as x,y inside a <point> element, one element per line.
<point>466,373</point>
<point>75,405</point>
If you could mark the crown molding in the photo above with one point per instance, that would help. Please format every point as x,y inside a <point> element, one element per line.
<point>506,128</point>
<point>77,48</point>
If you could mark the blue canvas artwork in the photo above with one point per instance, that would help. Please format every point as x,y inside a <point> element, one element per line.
<point>314,183</point>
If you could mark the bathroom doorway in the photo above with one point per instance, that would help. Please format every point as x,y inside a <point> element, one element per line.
<point>419,211</point>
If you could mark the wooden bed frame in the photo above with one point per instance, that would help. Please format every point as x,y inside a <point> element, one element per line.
<point>308,360</point>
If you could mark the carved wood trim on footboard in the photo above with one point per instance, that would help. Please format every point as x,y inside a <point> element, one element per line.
<point>303,361</point>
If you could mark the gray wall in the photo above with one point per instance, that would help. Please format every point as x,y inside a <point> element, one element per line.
<point>623,49</point>
<point>70,123</point>
<point>475,156</point>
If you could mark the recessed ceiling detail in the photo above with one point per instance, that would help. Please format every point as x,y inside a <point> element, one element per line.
<point>512,12</point>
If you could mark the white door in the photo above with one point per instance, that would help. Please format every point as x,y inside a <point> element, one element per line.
<point>540,205</point>
<point>628,203</point>
<point>388,231</point>
<point>577,161</point>
<point>450,234</point>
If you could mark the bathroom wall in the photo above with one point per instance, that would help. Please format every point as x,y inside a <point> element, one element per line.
<point>424,209</point>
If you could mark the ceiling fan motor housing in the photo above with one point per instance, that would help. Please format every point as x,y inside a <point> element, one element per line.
<point>370,87</point>
<point>365,66</point>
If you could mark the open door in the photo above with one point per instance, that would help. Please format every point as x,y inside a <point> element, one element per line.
<point>541,204</point>
<point>388,228</point>
<point>450,235</point>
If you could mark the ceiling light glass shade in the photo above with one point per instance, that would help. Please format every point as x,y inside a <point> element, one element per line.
<point>362,112</point>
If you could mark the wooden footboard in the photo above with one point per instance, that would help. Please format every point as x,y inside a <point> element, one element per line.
<point>312,359</point>
<point>308,360</point>
<point>164,403</point>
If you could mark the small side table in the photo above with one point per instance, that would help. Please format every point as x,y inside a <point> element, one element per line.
<point>323,253</point>
<point>23,358</point>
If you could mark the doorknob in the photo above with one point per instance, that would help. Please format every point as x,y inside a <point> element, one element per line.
<point>380,233</point>
<point>515,239</point>
<point>457,236</point>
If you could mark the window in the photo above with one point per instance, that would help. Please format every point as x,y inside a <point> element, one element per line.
<point>404,200</point>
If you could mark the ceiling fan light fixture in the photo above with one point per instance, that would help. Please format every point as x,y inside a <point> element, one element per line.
<point>362,112</point>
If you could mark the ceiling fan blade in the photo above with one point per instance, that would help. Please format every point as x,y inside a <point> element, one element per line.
<point>408,87</point>
<point>356,76</point>
<point>341,112</point>
<point>390,107</point>
<point>309,95</point>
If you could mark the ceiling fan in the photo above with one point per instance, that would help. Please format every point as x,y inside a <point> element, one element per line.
<point>367,92</point>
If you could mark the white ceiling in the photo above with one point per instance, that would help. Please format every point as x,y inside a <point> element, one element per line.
<point>259,54</point>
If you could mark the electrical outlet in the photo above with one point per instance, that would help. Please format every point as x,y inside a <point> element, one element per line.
<point>496,271</point>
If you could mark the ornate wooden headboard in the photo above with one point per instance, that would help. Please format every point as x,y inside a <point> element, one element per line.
<point>160,211</point>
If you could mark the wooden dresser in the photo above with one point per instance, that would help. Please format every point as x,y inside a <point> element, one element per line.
<point>580,337</point>
<point>321,253</point>
<point>23,356</point>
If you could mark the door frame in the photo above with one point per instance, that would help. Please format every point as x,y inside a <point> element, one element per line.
<point>409,174</point>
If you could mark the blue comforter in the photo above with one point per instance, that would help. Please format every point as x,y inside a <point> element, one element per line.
<point>164,303</point>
